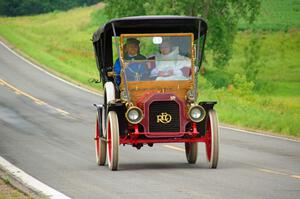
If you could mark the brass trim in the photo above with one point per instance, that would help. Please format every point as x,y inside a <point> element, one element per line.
<point>164,118</point>
<point>122,36</point>
<point>158,34</point>
<point>189,97</point>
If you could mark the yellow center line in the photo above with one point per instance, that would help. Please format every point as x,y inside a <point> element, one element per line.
<point>35,100</point>
<point>273,172</point>
<point>280,173</point>
<point>295,176</point>
<point>62,111</point>
<point>174,147</point>
<point>17,91</point>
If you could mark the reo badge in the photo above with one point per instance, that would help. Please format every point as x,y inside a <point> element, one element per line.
<point>164,118</point>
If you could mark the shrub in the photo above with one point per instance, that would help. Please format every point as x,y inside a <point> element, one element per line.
<point>242,87</point>
<point>218,78</point>
<point>253,60</point>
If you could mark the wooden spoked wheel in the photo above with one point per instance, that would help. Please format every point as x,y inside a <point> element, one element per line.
<point>112,132</point>
<point>212,139</point>
<point>100,145</point>
<point>191,151</point>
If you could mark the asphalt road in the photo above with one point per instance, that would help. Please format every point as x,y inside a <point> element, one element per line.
<point>47,127</point>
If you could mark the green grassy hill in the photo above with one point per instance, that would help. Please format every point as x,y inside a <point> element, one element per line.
<point>276,15</point>
<point>60,41</point>
<point>274,104</point>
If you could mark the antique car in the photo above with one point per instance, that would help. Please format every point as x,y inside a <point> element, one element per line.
<point>152,98</point>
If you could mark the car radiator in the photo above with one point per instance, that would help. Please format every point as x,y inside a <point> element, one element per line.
<point>164,116</point>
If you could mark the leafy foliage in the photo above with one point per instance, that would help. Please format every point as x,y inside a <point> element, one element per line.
<point>29,7</point>
<point>253,59</point>
<point>242,86</point>
<point>222,16</point>
<point>121,8</point>
<point>218,78</point>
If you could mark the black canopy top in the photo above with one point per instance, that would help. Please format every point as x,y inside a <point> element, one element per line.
<point>102,38</point>
<point>151,24</point>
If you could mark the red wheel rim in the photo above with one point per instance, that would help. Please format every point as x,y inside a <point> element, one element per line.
<point>109,140</point>
<point>208,139</point>
<point>97,138</point>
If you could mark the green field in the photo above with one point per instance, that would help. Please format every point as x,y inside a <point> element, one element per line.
<point>276,15</point>
<point>274,104</point>
<point>60,41</point>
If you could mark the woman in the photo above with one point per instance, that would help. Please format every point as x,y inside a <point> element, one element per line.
<point>170,65</point>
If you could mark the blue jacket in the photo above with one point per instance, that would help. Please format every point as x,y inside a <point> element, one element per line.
<point>117,70</point>
<point>133,71</point>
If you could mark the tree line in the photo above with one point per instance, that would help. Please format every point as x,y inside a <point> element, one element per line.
<point>31,7</point>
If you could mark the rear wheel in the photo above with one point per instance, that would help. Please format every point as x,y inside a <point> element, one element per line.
<point>112,129</point>
<point>191,151</point>
<point>212,139</point>
<point>100,145</point>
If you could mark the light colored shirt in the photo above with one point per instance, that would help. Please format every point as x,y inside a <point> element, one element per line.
<point>172,61</point>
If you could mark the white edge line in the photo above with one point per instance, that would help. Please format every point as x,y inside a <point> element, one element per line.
<point>45,71</point>
<point>30,182</point>
<point>260,134</point>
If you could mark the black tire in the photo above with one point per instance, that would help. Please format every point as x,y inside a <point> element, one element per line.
<point>191,152</point>
<point>100,145</point>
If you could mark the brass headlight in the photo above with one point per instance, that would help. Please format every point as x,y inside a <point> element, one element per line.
<point>134,115</point>
<point>197,113</point>
<point>190,95</point>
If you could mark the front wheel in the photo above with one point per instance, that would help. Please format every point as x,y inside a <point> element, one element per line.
<point>112,140</point>
<point>212,139</point>
<point>191,151</point>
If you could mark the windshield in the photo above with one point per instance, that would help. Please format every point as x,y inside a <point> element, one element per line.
<point>150,58</point>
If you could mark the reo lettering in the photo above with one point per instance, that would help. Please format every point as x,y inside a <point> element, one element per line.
<point>164,118</point>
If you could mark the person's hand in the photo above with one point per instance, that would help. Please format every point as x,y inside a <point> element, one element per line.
<point>186,71</point>
<point>165,73</point>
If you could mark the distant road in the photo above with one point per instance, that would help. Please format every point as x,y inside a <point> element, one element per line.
<point>47,127</point>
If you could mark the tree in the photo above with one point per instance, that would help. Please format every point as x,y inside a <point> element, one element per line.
<point>29,7</point>
<point>253,60</point>
<point>122,8</point>
<point>222,17</point>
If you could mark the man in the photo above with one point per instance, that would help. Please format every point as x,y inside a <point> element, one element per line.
<point>133,50</point>
<point>135,71</point>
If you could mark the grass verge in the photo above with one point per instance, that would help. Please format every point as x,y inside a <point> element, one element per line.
<point>8,191</point>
